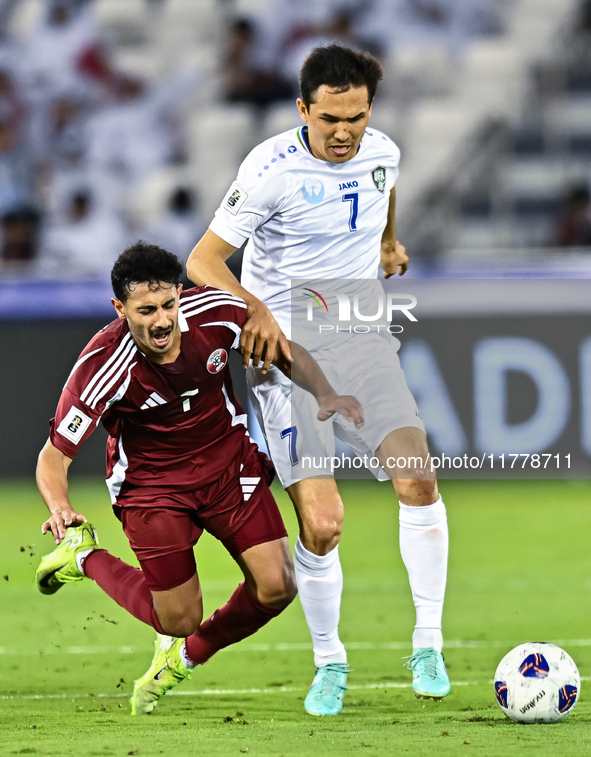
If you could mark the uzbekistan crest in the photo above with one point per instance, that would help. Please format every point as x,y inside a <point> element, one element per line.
<point>217,360</point>
<point>379,177</point>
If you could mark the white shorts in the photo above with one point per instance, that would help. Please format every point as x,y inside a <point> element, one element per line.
<point>299,444</point>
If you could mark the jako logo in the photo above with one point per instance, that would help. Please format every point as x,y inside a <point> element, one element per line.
<point>386,306</point>
<point>348,185</point>
<point>313,191</point>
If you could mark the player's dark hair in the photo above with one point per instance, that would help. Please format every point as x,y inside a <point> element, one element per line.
<point>340,69</point>
<point>144,263</point>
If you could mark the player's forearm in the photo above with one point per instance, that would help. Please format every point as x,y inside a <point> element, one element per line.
<point>306,373</point>
<point>52,478</point>
<point>207,266</point>
<point>389,235</point>
<point>261,332</point>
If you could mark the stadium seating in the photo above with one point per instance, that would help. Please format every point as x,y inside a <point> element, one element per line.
<point>495,84</point>
<point>436,102</point>
<point>219,139</point>
<point>192,22</point>
<point>27,13</point>
<point>279,118</point>
<point>125,20</point>
<point>151,195</point>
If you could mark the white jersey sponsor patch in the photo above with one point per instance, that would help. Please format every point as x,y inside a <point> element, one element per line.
<point>235,198</point>
<point>74,425</point>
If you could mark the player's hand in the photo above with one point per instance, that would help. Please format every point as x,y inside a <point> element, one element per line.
<point>60,520</point>
<point>349,407</point>
<point>393,258</point>
<point>261,335</point>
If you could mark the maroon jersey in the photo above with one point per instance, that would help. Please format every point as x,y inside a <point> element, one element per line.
<point>176,425</point>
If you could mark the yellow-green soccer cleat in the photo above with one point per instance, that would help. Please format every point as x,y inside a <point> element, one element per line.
<point>166,671</point>
<point>429,676</point>
<point>59,567</point>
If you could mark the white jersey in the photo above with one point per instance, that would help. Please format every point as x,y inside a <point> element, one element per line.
<point>307,218</point>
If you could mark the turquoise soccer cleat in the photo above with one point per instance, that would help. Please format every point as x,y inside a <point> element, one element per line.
<point>429,676</point>
<point>165,672</point>
<point>328,689</point>
<point>59,567</point>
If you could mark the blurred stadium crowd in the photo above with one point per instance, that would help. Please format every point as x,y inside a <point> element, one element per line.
<point>122,119</point>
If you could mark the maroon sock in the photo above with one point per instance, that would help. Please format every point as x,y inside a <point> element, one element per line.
<point>240,617</point>
<point>123,583</point>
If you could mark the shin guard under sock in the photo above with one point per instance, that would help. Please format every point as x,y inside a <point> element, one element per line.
<point>123,583</point>
<point>320,585</point>
<point>240,617</point>
<point>424,547</point>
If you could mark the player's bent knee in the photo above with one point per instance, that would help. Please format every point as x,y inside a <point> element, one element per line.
<point>279,593</point>
<point>417,491</point>
<point>279,598</point>
<point>321,535</point>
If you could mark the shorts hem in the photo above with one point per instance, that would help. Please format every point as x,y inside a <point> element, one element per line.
<point>236,550</point>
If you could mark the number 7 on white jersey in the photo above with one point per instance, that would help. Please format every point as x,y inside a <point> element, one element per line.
<point>353,198</point>
<point>291,434</point>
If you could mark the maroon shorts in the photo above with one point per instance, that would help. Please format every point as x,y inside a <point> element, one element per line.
<point>163,526</point>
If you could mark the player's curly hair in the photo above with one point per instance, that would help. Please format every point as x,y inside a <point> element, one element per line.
<point>340,69</point>
<point>144,263</point>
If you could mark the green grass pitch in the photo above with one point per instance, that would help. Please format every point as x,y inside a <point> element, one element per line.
<point>520,569</point>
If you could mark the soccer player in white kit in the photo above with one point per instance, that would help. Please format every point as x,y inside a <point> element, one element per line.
<point>317,202</point>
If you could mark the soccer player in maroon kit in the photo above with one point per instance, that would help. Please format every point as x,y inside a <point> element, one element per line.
<point>179,461</point>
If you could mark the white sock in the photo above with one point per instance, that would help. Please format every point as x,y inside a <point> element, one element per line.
<point>320,585</point>
<point>424,547</point>
<point>187,661</point>
<point>80,557</point>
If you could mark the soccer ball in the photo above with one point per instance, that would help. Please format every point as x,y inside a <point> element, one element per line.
<point>537,683</point>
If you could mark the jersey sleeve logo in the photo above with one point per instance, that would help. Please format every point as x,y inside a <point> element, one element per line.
<point>74,425</point>
<point>217,360</point>
<point>235,198</point>
<point>379,178</point>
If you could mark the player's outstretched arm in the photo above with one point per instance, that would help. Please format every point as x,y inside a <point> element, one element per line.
<point>305,372</point>
<point>261,333</point>
<point>52,480</point>
<point>393,257</point>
